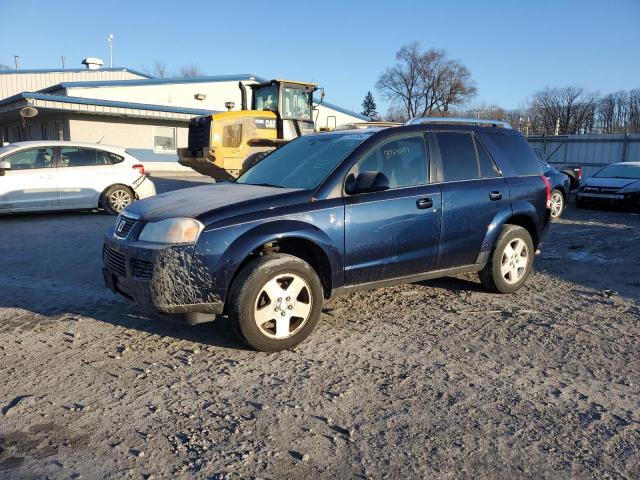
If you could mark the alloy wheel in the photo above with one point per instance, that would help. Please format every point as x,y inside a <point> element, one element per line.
<point>515,258</point>
<point>283,306</point>
<point>119,199</point>
<point>557,204</point>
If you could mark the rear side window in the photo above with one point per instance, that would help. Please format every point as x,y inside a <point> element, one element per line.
<point>488,168</point>
<point>458,156</point>
<point>81,157</point>
<point>519,154</point>
<point>112,158</point>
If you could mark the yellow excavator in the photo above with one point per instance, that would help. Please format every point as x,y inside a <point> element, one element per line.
<point>223,145</point>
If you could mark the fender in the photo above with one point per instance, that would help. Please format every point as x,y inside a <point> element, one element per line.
<point>518,208</point>
<point>257,234</point>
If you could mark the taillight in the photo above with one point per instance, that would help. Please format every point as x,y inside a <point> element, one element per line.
<point>548,187</point>
<point>139,167</point>
<point>579,173</point>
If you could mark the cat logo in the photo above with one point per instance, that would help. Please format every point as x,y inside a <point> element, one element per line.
<point>265,123</point>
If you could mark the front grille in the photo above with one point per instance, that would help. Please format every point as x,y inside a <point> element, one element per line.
<point>124,226</point>
<point>199,132</point>
<point>141,269</point>
<point>114,260</point>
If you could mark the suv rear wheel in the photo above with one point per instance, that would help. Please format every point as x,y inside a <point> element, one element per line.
<point>275,302</point>
<point>511,261</point>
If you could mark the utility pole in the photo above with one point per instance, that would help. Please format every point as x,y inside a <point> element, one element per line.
<point>110,40</point>
<point>16,58</point>
<point>557,126</point>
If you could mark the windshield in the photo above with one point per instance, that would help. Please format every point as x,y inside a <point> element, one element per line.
<point>296,104</point>
<point>266,98</point>
<point>619,171</point>
<point>7,148</point>
<point>304,162</point>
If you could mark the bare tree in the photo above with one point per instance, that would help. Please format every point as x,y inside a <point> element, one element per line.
<point>567,110</point>
<point>634,111</point>
<point>481,111</point>
<point>425,83</point>
<point>191,71</point>
<point>159,69</point>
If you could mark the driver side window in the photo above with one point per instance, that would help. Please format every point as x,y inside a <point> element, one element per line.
<point>403,160</point>
<point>30,159</point>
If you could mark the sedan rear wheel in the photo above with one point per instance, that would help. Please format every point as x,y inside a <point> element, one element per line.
<point>557,204</point>
<point>116,198</point>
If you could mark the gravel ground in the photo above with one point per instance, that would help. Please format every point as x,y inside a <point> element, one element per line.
<point>434,379</point>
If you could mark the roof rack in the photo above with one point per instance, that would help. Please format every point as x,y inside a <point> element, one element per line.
<point>462,121</point>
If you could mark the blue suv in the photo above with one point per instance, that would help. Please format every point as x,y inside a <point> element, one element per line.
<point>331,213</point>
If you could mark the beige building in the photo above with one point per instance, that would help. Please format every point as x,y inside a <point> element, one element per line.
<point>147,116</point>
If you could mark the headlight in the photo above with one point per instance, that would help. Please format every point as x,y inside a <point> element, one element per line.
<point>172,230</point>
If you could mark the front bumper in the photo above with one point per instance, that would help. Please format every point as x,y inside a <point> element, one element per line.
<point>613,199</point>
<point>160,277</point>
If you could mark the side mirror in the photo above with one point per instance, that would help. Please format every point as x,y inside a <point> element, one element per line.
<point>366,182</point>
<point>4,165</point>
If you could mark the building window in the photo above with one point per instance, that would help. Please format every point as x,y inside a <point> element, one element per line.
<point>164,139</point>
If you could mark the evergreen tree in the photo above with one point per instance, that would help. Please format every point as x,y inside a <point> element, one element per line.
<point>369,107</point>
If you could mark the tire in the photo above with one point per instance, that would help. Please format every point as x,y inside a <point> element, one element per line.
<point>558,203</point>
<point>503,273</point>
<point>260,295</point>
<point>115,198</point>
<point>254,158</point>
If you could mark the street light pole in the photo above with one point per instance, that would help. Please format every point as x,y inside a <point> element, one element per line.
<point>110,40</point>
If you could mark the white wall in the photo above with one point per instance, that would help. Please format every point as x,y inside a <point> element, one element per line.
<point>172,94</point>
<point>328,117</point>
<point>127,133</point>
<point>16,81</point>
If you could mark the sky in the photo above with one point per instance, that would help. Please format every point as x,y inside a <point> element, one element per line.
<point>512,48</point>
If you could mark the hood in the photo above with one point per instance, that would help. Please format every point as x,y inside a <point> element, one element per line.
<point>604,182</point>
<point>195,202</point>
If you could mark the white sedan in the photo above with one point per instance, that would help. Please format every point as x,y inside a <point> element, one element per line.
<point>56,175</point>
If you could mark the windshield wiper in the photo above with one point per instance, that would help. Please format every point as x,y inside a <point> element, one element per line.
<point>265,185</point>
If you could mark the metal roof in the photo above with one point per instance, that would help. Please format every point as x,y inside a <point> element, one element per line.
<point>74,70</point>
<point>104,103</point>
<point>153,81</point>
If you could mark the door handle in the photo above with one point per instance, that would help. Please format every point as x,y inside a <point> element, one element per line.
<point>495,195</point>
<point>424,203</point>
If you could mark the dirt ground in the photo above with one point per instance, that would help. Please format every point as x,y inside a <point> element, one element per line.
<point>435,380</point>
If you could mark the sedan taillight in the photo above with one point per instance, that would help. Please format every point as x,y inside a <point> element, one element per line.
<point>548,188</point>
<point>139,167</point>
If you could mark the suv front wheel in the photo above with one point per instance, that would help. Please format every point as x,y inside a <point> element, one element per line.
<point>275,302</point>
<point>511,261</point>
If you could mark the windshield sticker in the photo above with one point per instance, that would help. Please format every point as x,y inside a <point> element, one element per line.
<point>353,136</point>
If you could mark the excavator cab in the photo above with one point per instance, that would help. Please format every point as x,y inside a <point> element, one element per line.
<point>225,144</point>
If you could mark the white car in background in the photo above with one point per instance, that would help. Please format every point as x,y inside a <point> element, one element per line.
<point>56,175</point>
